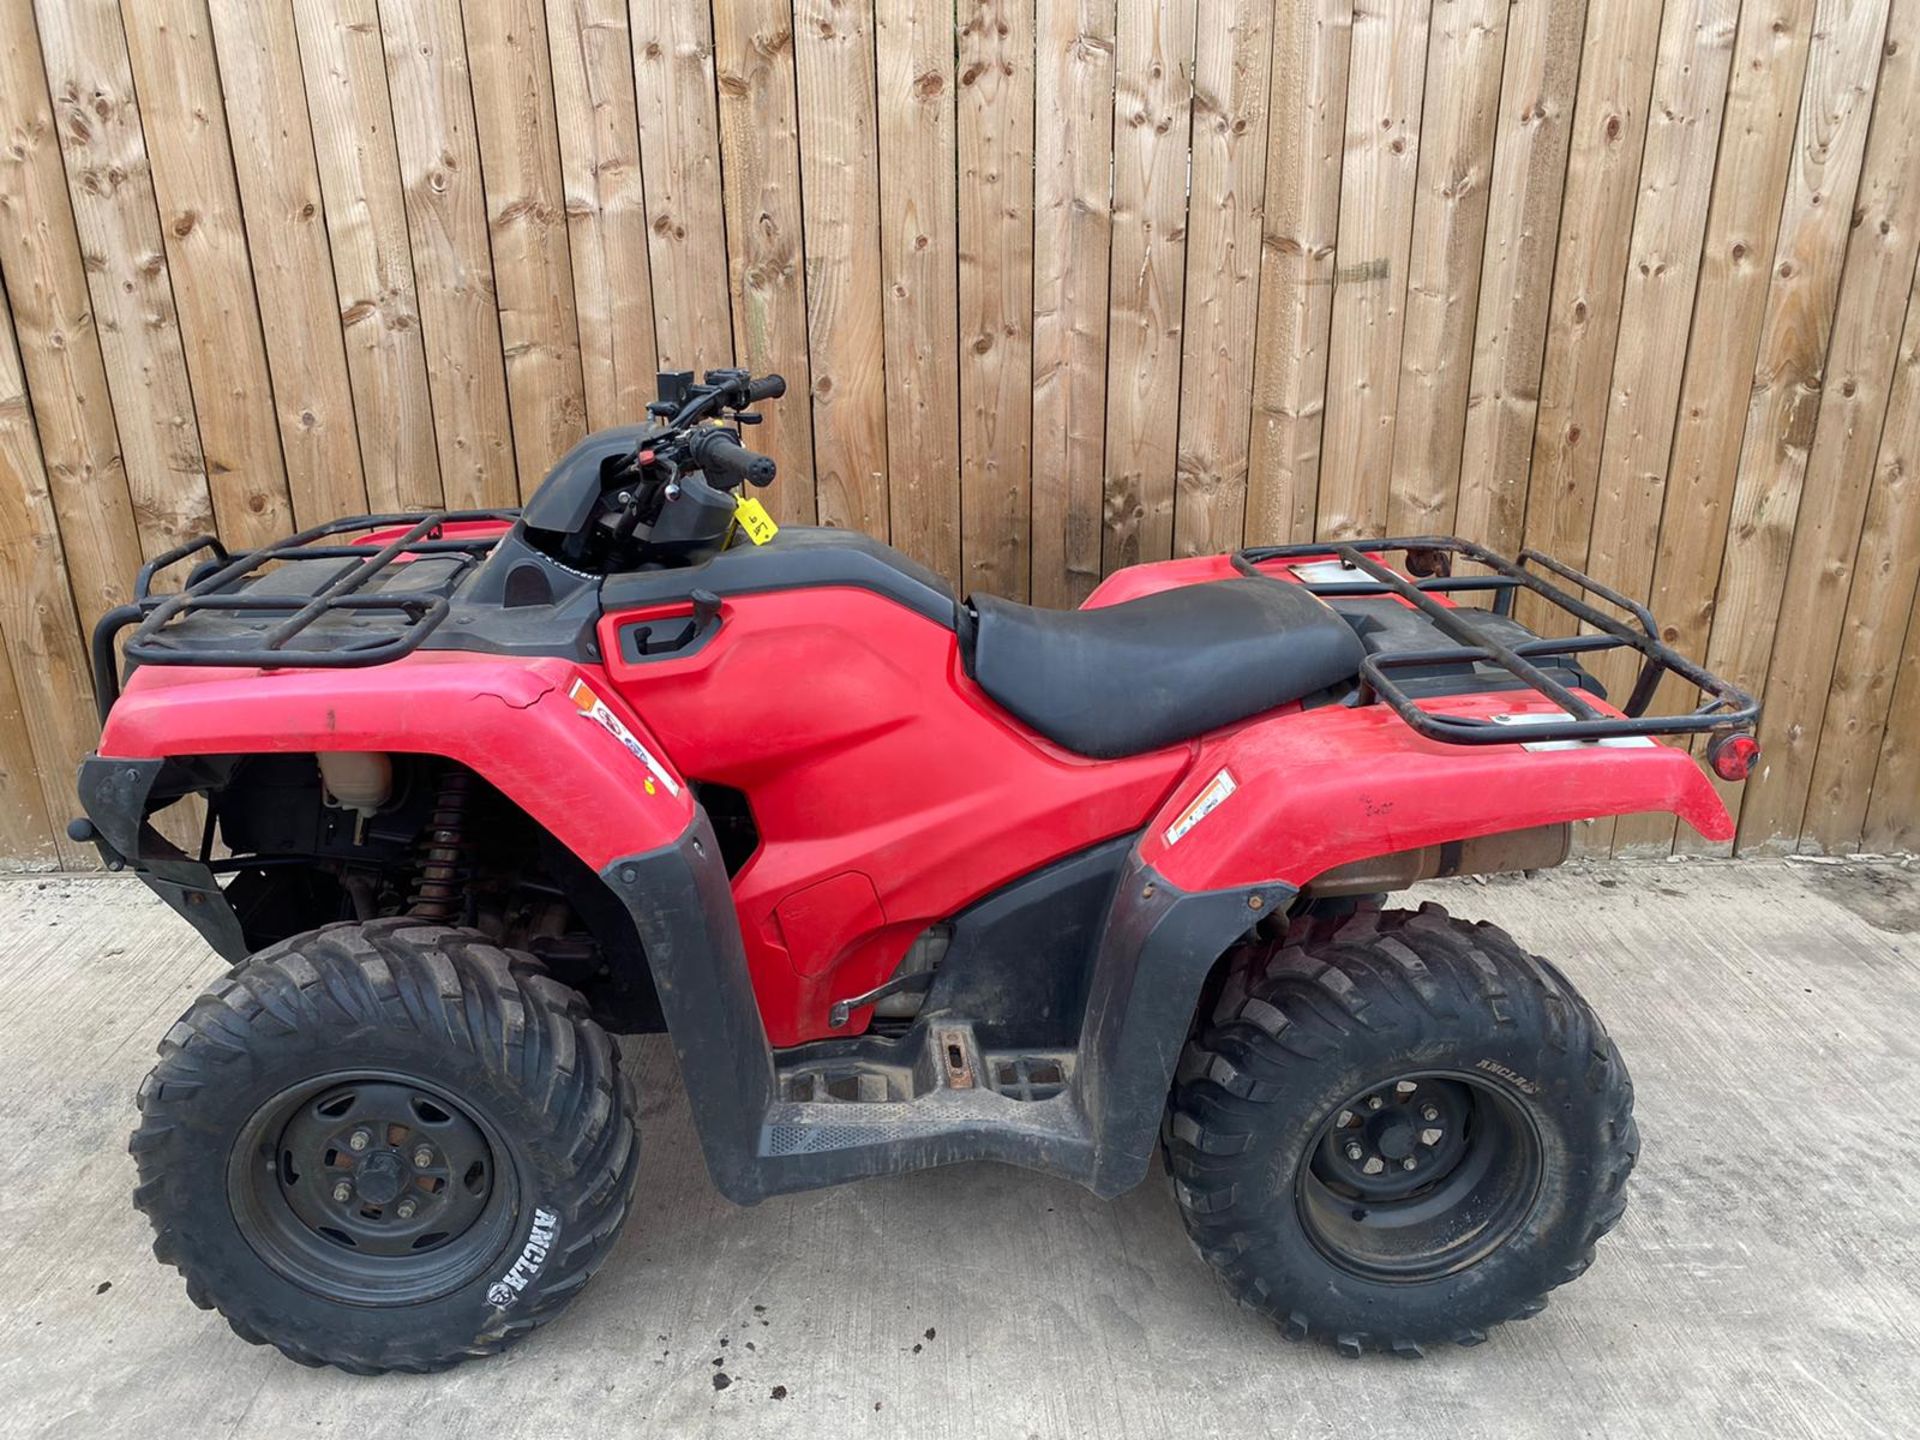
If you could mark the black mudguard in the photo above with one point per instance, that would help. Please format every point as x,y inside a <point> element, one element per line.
<point>1156,949</point>
<point>114,794</point>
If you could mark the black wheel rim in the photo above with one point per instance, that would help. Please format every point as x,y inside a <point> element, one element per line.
<point>372,1188</point>
<point>1419,1177</point>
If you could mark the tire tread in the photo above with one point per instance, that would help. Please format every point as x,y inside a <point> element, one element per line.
<point>1277,1011</point>
<point>446,986</point>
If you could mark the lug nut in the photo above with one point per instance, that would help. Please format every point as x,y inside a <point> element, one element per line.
<point>1343,1119</point>
<point>405,1209</point>
<point>1431,1137</point>
<point>1404,1087</point>
<point>422,1158</point>
<point>1408,1163</point>
<point>1353,1151</point>
<point>1374,1165</point>
<point>359,1140</point>
<point>342,1193</point>
<point>1374,1102</point>
<point>1431,1112</point>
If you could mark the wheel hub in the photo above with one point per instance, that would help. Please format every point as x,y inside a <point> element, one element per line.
<point>1397,1139</point>
<point>373,1170</point>
<point>381,1178</point>
<point>1418,1176</point>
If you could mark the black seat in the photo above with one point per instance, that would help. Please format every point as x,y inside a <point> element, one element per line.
<point>1128,678</point>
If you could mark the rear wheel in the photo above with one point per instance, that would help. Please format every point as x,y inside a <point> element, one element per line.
<point>1398,1129</point>
<point>385,1147</point>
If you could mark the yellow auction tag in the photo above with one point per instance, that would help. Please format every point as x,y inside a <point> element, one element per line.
<point>754,521</point>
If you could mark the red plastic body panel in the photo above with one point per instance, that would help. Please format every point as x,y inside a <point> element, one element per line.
<point>863,747</point>
<point>1138,580</point>
<point>1318,788</point>
<point>889,792</point>
<point>452,530</point>
<point>511,720</point>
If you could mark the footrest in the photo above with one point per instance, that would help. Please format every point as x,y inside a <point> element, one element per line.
<point>1038,1075</point>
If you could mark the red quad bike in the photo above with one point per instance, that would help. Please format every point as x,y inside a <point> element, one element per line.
<point>906,879</point>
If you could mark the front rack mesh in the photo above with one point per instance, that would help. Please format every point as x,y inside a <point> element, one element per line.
<point>218,586</point>
<point>1725,709</point>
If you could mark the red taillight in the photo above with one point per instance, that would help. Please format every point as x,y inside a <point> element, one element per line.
<point>1733,756</point>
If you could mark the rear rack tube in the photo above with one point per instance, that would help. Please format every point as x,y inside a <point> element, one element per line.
<point>1726,711</point>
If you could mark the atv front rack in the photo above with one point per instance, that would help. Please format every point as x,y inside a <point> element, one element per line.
<point>218,584</point>
<point>1726,714</point>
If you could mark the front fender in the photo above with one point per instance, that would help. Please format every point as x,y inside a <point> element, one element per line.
<point>547,733</point>
<point>1318,788</point>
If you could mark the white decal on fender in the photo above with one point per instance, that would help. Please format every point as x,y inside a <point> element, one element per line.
<point>595,709</point>
<point>525,1270</point>
<point>1554,717</point>
<point>1204,804</point>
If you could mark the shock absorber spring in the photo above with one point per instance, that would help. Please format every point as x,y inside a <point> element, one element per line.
<point>437,894</point>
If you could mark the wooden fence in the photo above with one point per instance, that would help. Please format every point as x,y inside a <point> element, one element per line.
<point>1060,285</point>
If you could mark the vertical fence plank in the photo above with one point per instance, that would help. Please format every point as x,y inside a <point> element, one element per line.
<point>760,150</point>
<point>1663,269</point>
<point>38,623</point>
<point>1233,63</point>
<point>178,80</point>
<point>1860,718</point>
<point>1306,133</point>
<point>1893,810</point>
<point>1072,236</point>
<point>680,158</point>
<point>599,128</point>
<point>1784,409</point>
<point>1609,130</point>
<point>914,53</point>
<point>1894,807</point>
<point>840,183</point>
<point>41,266</point>
<point>343,68</point>
<point>1377,187</point>
<point>1743,222</point>
<point>526,217</point>
<point>286,236</point>
<point>26,837</point>
<point>994,117</point>
<point>1544,44</point>
<point>1153,92</point>
<point>1464,71</point>
<point>117,220</point>
<point>1855,382</point>
<point>432,98</point>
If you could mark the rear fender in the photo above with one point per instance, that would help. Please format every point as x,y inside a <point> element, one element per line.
<point>553,737</point>
<point>1318,788</point>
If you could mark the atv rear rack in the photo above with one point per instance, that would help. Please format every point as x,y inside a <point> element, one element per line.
<point>215,585</point>
<point>1726,714</point>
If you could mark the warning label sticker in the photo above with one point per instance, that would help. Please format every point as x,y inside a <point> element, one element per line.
<point>1204,804</point>
<point>593,708</point>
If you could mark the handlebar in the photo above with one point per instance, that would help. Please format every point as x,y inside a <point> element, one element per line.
<point>725,461</point>
<point>767,387</point>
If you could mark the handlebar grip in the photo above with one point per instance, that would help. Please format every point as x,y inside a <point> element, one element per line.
<point>726,462</point>
<point>767,387</point>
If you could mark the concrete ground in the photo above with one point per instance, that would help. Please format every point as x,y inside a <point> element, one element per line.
<point>1765,1281</point>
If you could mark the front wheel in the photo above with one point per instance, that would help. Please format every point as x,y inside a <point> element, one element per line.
<point>385,1147</point>
<point>1398,1129</point>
